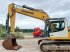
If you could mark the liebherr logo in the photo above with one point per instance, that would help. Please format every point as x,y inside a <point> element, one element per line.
<point>27,12</point>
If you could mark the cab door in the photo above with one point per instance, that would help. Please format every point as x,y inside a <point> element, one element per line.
<point>58,29</point>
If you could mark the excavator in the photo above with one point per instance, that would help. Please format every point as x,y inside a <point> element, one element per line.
<point>55,37</point>
<point>10,40</point>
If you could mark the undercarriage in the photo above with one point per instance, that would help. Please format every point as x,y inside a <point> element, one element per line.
<point>54,46</point>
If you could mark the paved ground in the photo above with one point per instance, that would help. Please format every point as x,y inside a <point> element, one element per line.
<point>28,45</point>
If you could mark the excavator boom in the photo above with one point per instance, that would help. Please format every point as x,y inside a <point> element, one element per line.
<point>36,13</point>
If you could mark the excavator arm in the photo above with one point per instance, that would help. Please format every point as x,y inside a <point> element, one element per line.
<point>10,41</point>
<point>35,13</point>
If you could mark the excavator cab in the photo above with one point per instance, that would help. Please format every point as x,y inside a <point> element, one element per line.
<point>54,26</point>
<point>10,39</point>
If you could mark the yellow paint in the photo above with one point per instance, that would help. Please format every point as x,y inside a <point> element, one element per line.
<point>69,34</point>
<point>58,38</point>
<point>12,10</point>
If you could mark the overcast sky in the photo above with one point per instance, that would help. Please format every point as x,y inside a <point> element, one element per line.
<point>54,8</point>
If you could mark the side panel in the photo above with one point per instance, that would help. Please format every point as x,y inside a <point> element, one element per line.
<point>55,34</point>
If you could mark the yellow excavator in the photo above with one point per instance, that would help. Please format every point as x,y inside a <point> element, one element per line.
<point>10,40</point>
<point>56,35</point>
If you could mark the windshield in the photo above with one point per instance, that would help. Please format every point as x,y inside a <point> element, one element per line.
<point>56,26</point>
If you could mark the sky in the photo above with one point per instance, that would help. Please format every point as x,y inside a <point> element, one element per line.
<point>54,8</point>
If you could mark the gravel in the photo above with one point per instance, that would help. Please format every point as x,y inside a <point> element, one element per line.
<point>28,45</point>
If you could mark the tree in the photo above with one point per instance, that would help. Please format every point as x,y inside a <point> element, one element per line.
<point>17,29</point>
<point>2,30</point>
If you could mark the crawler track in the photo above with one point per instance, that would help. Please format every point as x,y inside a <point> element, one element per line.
<point>55,46</point>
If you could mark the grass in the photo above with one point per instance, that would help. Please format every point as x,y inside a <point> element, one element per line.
<point>19,35</point>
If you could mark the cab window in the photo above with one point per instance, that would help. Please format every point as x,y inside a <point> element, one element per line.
<point>56,26</point>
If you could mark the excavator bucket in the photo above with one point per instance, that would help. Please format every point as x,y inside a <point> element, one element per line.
<point>10,43</point>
